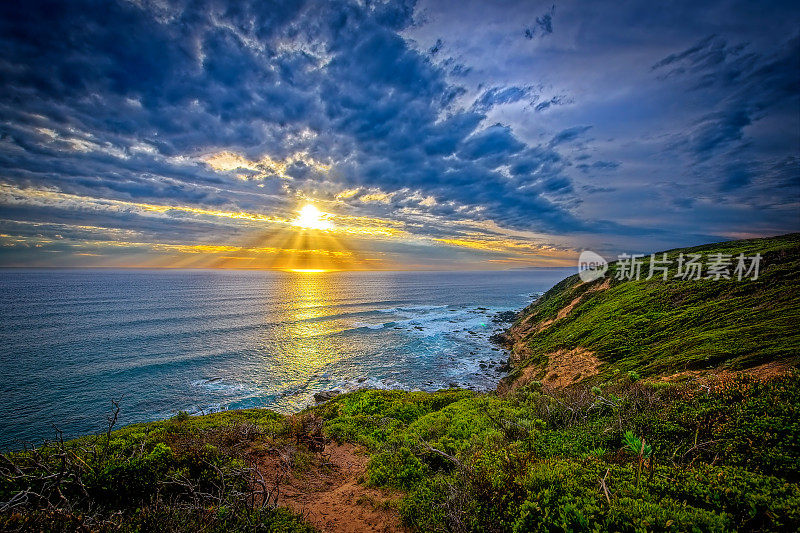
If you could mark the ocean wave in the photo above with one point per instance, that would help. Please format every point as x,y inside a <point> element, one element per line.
<point>431,320</point>
<point>218,384</point>
<point>359,325</point>
<point>192,410</point>
<point>411,308</point>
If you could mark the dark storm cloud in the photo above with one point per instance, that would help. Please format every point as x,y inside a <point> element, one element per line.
<point>188,79</point>
<point>495,140</point>
<point>555,100</point>
<point>599,165</point>
<point>569,135</point>
<point>543,25</point>
<point>753,83</point>
<point>500,95</point>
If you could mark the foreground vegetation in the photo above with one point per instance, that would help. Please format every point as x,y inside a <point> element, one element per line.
<point>185,474</point>
<point>626,456</point>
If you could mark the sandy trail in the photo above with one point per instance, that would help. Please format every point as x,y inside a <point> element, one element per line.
<point>330,496</point>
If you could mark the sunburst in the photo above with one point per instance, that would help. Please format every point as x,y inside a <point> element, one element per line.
<point>312,218</point>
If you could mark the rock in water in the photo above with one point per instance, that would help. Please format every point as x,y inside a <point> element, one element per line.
<point>326,395</point>
<point>504,316</point>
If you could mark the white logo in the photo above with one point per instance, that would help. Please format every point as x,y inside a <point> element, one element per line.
<point>591,266</point>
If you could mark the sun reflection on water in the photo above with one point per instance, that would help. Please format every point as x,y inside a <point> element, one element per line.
<point>309,346</point>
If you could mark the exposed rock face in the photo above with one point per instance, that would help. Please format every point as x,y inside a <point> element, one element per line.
<point>564,367</point>
<point>504,316</point>
<point>326,395</point>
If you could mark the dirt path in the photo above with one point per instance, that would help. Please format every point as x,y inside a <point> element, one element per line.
<point>330,496</point>
<point>763,372</point>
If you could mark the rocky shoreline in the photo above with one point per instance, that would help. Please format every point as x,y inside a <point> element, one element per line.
<point>500,338</point>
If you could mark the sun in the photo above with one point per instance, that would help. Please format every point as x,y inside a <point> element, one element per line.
<point>312,218</point>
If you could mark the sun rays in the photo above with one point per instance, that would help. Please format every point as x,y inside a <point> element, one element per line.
<point>307,244</point>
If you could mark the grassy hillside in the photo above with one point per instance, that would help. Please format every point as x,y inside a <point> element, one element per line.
<point>662,327</point>
<point>719,451</point>
<point>625,457</point>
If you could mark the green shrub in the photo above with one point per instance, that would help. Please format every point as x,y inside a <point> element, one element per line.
<point>512,472</point>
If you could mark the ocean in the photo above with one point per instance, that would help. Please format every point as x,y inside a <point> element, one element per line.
<point>160,342</point>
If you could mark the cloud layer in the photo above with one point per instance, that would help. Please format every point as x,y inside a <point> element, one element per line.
<point>537,129</point>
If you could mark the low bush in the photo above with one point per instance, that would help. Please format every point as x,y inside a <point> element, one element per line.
<point>627,456</point>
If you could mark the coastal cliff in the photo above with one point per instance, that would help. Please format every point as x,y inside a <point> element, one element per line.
<point>664,329</point>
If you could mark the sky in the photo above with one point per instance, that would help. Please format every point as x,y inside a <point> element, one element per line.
<point>425,135</point>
